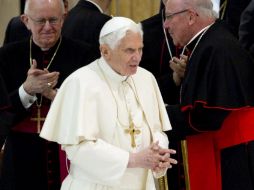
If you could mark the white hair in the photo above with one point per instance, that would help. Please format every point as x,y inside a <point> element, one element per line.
<point>203,7</point>
<point>112,39</point>
<point>27,7</point>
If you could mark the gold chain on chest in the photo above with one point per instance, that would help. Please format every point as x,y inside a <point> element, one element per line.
<point>115,100</point>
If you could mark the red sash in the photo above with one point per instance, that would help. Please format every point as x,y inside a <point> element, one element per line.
<point>30,123</point>
<point>204,149</point>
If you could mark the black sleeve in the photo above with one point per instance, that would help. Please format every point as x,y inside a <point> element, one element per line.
<point>207,119</point>
<point>169,91</point>
<point>196,121</point>
<point>179,122</point>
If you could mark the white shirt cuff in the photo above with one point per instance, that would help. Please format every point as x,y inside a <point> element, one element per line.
<point>26,99</point>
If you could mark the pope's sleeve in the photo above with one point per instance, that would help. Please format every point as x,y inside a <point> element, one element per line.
<point>97,161</point>
<point>73,112</point>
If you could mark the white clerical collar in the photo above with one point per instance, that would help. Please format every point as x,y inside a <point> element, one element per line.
<point>110,73</point>
<point>96,5</point>
<point>216,6</point>
<point>199,33</point>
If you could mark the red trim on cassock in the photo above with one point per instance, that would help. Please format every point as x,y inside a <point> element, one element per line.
<point>189,107</point>
<point>204,149</point>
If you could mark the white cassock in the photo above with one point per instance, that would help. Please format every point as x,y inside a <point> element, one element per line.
<point>89,118</point>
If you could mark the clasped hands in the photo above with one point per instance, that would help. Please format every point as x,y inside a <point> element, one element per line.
<point>41,82</point>
<point>154,157</point>
<point>178,65</point>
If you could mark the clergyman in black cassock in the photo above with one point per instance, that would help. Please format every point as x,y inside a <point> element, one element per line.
<point>216,109</point>
<point>25,155</point>
<point>210,92</point>
<point>30,162</point>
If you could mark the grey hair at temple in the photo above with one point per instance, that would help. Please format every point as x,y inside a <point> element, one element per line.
<point>116,28</point>
<point>203,7</point>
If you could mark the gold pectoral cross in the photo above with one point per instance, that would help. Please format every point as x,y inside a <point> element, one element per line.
<point>132,131</point>
<point>38,119</point>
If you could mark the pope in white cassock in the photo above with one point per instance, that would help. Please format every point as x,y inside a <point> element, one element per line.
<point>109,117</point>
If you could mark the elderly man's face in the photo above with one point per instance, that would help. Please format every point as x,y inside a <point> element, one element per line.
<point>45,20</point>
<point>177,22</point>
<point>125,57</point>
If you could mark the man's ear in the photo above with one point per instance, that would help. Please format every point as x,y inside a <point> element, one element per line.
<point>24,19</point>
<point>64,15</point>
<point>105,51</point>
<point>62,20</point>
<point>66,6</point>
<point>192,17</point>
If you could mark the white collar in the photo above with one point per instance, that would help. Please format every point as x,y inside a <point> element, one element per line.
<point>112,75</point>
<point>200,34</point>
<point>96,5</point>
<point>216,6</point>
<point>194,37</point>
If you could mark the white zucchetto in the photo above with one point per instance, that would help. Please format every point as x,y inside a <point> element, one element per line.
<point>115,24</point>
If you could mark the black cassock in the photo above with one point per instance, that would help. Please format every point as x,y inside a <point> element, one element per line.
<point>31,162</point>
<point>217,85</point>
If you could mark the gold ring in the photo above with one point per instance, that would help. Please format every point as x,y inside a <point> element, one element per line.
<point>49,84</point>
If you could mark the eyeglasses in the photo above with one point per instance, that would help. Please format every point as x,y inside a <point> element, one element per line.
<point>170,16</point>
<point>42,21</point>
